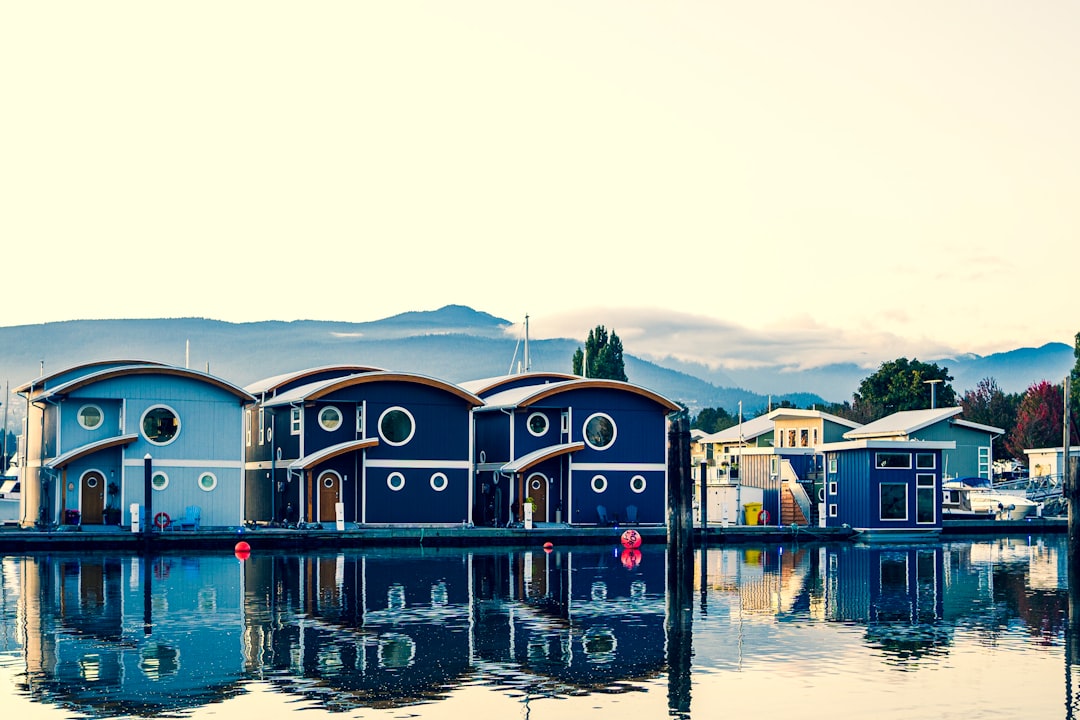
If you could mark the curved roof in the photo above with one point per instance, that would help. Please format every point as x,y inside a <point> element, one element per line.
<point>316,390</point>
<point>71,456</point>
<point>41,382</point>
<point>531,394</point>
<point>309,461</point>
<point>148,369</point>
<point>271,384</point>
<point>536,457</point>
<point>486,385</point>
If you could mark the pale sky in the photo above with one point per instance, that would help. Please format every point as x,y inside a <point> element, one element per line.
<point>810,179</point>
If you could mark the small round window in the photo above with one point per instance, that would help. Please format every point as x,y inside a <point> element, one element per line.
<point>159,480</point>
<point>439,482</point>
<point>637,484</point>
<point>599,483</point>
<point>90,417</point>
<point>207,481</point>
<point>395,481</point>
<point>329,418</point>
<point>329,480</point>
<point>92,480</point>
<point>536,482</point>
<point>599,431</point>
<point>160,425</point>
<point>396,426</point>
<point>538,424</point>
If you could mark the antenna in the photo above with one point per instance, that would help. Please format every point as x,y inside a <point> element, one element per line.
<point>528,361</point>
<point>187,354</point>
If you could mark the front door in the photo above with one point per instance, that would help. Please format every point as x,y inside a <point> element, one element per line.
<point>93,498</point>
<point>329,495</point>
<point>537,488</point>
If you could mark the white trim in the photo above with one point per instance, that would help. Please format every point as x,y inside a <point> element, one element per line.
<point>340,418</point>
<point>79,418</point>
<point>446,481</point>
<point>617,467</point>
<point>592,484</point>
<point>393,475</point>
<point>542,416</point>
<point>198,481</point>
<point>614,431</point>
<point>231,464</point>
<point>644,484</point>
<point>142,428</point>
<point>451,464</point>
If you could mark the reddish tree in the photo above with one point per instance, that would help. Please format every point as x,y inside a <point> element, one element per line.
<point>1038,419</point>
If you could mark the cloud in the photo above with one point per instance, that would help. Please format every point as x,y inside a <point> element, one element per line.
<point>797,343</point>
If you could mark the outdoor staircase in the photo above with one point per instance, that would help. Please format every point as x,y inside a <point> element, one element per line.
<point>790,512</point>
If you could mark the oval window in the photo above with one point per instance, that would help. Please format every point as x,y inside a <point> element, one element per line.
<point>599,431</point>
<point>90,417</point>
<point>160,425</point>
<point>395,481</point>
<point>537,424</point>
<point>207,481</point>
<point>159,480</point>
<point>637,483</point>
<point>329,418</point>
<point>599,483</point>
<point>396,426</point>
<point>439,482</point>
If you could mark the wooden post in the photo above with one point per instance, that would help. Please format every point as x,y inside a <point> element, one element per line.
<point>680,568</point>
<point>680,520</point>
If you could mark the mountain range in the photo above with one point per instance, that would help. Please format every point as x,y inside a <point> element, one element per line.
<point>458,343</point>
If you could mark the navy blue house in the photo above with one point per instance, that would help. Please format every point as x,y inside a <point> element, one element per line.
<point>884,487</point>
<point>581,451</point>
<point>390,447</point>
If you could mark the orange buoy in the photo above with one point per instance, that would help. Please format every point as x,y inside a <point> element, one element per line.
<point>631,539</point>
<point>548,545</point>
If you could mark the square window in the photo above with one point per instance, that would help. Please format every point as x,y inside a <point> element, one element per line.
<point>925,461</point>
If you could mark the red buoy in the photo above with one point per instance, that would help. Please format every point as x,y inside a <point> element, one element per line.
<point>242,550</point>
<point>631,539</point>
<point>548,545</point>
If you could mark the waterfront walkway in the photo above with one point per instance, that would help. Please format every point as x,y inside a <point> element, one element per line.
<point>14,539</point>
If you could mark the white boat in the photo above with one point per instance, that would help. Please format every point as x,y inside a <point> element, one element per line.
<point>976,498</point>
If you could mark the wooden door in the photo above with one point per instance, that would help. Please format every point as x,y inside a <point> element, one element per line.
<point>329,495</point>
<point>536,487</point>
<point>93,498</point>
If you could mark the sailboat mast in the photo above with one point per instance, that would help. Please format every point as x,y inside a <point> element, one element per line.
<point>528,362</point>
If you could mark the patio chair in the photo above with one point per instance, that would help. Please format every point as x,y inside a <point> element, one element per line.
<point>601,514</point>
<point>192,518</point>
<point>631,513</point>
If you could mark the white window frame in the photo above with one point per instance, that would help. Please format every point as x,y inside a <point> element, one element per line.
<point>101,416</point>
<point>296,420</point>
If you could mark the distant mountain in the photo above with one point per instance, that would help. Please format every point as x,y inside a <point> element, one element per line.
<point>454,343</point>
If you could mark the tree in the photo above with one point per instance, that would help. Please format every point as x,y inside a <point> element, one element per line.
<point>603,356</point>
<point>902,385</point>
<point>989,405</point>
<point>1038,419</point>
<point>713,420</point>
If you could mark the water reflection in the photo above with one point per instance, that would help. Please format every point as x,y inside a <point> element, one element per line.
<point>116,635</point>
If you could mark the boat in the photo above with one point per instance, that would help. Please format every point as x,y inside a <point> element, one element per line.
<point>975,498</point>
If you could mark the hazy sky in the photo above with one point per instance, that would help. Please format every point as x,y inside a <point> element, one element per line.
<point>727,180</point>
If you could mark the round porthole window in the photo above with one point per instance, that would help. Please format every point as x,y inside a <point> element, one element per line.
<point>91,481</point>
<point>599,483</point>
<point>599,431</point>
<point>396,426</point>
<point>537,424</point>
<point>207,481</point>
<point>637,484</point>
<point>536,484</point>
<point>159,480</point>
<point>395,481</point>
<point>160,425</point>
<point>439,482</point>
<point>328,481</point>
<point>90,417</point>
<point>329,418</point>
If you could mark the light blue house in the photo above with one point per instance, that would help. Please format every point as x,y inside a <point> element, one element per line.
<point>91,430</point>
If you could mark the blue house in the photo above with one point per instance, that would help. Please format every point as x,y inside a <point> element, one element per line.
<point>390,447</point>
<point>583,451</point>
<point>91,429</point>
<point>884,487</point>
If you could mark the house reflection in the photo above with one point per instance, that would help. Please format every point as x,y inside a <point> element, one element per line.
<point>111,635</point>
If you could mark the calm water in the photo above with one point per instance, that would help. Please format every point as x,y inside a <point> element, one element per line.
<point>952,630</point>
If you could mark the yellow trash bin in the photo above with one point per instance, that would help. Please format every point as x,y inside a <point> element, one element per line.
<point>751,511</point>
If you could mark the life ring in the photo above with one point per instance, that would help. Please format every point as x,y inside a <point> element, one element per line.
<point>162,520</point>
<point>763,517</point>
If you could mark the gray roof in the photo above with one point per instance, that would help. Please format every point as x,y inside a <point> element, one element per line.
<point>903,423</point>
<point>747,430</point>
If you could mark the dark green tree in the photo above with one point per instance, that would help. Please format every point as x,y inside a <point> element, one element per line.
<point>713,420</point>
<point>988,404</point>
<point>602,357</point>
<point>901,384</point>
